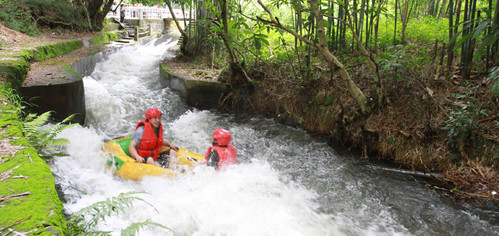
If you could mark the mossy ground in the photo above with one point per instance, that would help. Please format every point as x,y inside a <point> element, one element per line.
<point>28,198</point>
<point>29,202</point>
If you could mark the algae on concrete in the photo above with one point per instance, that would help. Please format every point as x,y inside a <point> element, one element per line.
<point>29,202</point>
<point>28,199</point>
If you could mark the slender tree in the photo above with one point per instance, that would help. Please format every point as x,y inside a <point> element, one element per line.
<point>395,24</point>
<point>405,12</point>
<point>321,45</point>
<point>450,50</point>
<point>185,36</point>
<point>370,58</point>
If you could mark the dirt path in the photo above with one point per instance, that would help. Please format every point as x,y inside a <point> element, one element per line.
<point>49,71</point>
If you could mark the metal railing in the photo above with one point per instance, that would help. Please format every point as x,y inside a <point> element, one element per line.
<point>141,12</point>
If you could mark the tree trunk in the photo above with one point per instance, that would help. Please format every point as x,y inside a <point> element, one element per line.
<point>376,26</point>
<point>239,78</point>
<point>495,27</point>
<point>395,25</point>
<point>225,34</point>
<point>450,50</point>
<point>334,63</point>
<point>372,63</point>
<point>405,13</point>
<point>185,37</point>
<point>442,9</point>
<point>97,11</point>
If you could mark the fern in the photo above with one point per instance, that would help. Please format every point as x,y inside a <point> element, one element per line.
<point>44,140</point>
<point>494,75</point>
<point>134,228</point>
<point>100,210</point>
<point>15,100</point>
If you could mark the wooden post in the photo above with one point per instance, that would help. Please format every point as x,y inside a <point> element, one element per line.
<point>136,36</point>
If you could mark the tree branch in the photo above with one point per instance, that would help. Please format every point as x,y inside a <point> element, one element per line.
<point>273,21</point>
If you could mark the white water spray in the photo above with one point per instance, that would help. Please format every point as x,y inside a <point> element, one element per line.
<point>286,182</point>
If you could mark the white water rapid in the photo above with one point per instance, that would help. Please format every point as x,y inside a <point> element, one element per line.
<point>286,182</point>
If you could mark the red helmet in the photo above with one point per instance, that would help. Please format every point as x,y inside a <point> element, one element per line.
<point>222,136</point>
<point>152,112</point>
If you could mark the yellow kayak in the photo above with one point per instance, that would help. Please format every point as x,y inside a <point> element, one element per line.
<point>126,167</point>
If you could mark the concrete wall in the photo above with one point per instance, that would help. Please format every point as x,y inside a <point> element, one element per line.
<point>64,99</point>
<point>202,94</point>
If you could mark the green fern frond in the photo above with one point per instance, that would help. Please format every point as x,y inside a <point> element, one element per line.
<point>96,233</point>
<point>31,127</point>
<point>134,228</point>
<point>100,210</point>
<point>44,139</point>
<point>57,128</point>
<point>59,142</point>
<point>52,155</point>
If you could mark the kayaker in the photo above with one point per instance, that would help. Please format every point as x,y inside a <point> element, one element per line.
<point>148,139</point>
<point>221,154</point>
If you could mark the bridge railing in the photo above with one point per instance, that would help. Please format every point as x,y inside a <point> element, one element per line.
<point>141,12</point>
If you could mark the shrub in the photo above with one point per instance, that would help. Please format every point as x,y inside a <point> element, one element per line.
<point>17,17</point>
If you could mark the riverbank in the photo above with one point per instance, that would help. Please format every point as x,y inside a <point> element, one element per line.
<point>407,132</point>
<point>278,98</point>
<point>29,202</point>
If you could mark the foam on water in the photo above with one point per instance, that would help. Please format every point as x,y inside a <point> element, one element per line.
<point>286,182</point>
<point>248,199</point>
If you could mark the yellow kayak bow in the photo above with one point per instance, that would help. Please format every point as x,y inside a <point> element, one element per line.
<point>126,167</point>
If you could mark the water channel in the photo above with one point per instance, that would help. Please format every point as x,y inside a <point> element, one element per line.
<point>286,183</point>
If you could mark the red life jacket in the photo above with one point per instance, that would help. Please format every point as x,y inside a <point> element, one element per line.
<point>150,143</point>
<point>226,155</point>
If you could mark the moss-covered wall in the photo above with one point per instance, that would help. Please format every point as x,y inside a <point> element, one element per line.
<point>28,199</point>
<point>42,53</point>
<point>29,202</point>
<point>106,38</point>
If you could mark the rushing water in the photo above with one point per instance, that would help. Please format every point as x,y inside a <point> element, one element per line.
<point>286,182</point>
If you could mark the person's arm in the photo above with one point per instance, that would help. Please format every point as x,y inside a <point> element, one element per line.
<point>167,144</point>
<point>133,152</point>
<point>213,159</point>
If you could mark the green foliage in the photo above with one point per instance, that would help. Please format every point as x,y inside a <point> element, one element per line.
<point>27,15</point>
<point>463,116</point>
<point>329,100</point>
<point>44,140</point>
<point>428,29</point>
<point>494,75</point>
<point>134,228</point>
<point>85,220</point>
<point>393,59</point>
<point>15,99</point>
<point>17,17</point>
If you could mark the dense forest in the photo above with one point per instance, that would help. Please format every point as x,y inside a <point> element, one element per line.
<point>414,82</point>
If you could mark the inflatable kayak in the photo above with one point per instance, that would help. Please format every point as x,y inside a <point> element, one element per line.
<point>126,167</point>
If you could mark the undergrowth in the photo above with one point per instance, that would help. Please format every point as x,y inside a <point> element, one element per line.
<point>85,220</point>
<point>37,129</point>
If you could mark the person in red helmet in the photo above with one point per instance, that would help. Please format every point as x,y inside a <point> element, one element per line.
<point>221,154</point>
<point>148,138</point>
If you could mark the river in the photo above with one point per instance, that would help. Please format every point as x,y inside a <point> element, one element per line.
<point>286,181</point>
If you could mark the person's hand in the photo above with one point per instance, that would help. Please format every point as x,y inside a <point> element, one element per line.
<point>173,147</point>
<point>139,159</point>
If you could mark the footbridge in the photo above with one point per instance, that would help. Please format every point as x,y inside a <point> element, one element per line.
<point>150,13</point>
